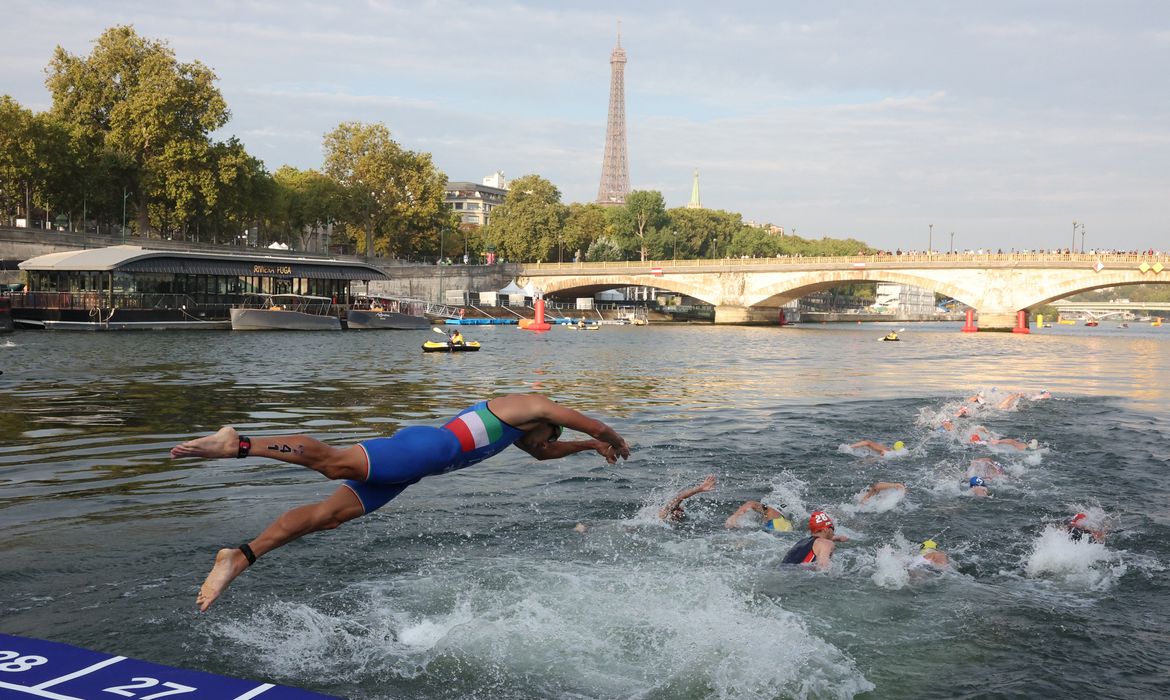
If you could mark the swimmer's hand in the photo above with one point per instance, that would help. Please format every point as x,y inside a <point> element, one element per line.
<point>840,538</point>
<point>612,452</point>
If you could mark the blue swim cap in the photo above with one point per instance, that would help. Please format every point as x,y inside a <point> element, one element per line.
<point>977,481</point>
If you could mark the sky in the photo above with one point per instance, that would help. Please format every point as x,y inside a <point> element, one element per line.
<point>1000,121</point>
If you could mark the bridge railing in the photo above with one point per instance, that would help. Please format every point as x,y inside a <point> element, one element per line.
<point>905,259</point>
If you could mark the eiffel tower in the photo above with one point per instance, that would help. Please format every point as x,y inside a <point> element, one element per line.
<point>615,167</point>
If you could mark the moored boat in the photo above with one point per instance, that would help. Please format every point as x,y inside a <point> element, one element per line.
<point>285,312</point>
<point>5,315</point>
<point>384,313</point>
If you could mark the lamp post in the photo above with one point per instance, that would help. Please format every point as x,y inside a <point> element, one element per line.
<point>440,265</point>
<point>930,238</point>
<point>675,256</point>
<point>125,194</point>
<point>952,242</point>
<point>1074,243</point>
<point>1082,238</point>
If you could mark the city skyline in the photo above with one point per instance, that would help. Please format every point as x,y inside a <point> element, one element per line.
<point>1001,123</point>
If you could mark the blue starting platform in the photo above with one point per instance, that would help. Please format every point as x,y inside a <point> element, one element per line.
<point>32,668</point>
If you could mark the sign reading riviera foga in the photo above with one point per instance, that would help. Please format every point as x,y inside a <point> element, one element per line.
<point>272,269</point>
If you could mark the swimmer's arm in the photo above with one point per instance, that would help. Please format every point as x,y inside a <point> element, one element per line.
<point>543,408</point>
<point>824,550</point>
<point>733,520</point>
<point>563,448</point>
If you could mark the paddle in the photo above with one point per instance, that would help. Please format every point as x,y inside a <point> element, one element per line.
<point>897,331</point>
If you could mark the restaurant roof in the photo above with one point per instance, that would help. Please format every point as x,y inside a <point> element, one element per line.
<point>128,258</point>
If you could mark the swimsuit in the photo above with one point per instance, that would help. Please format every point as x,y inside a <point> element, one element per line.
<point>801,552</point>
<point>416,451</point>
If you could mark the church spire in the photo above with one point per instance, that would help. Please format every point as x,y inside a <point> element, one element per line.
<point>695,203</point>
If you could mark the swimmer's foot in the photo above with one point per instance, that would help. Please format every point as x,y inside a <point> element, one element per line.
<point>223,443</point>
<point>229,563</point>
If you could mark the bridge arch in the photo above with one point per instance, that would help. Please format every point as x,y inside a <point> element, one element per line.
<point>781,292</point>
<point>589,287</point>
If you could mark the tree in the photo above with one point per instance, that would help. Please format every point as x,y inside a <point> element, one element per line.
<point>584,223</point>
<point>306,202</point>
<point>703,232</point>
<point>131,97</point>
<point>647,214</point>
<point>397,195</point>
<point>527,225</point>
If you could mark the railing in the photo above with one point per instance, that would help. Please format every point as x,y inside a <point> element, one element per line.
<point>905,259</point>
<point>101,300</point>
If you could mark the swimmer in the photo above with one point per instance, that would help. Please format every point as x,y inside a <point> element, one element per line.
<point>673,512</point>
<point>818,547</point>
<point>1010,442</point>
<point>772,518</point>
<point>1009,402</point>
<point>1078,526</point>
<point>1039,396</point>
<point>985,467</point>
<point>978,487</point>
<point>377,470</point>
<point>878,447</point>
<point>879,487</point>
<point>931,557</point>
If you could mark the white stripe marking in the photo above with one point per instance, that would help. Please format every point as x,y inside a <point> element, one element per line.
<point>255,691</point>
<point>33,691</point>
<point>478,429</point>
<point>77,674</point>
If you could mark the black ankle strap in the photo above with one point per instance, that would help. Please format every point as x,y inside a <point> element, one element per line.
<point>245,447</point>
<point>248,553</point>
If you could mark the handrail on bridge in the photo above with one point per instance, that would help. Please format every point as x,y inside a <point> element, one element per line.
<point>857,260</point>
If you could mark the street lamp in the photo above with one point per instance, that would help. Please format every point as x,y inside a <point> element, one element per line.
<point>1074,243</point>
<point>125,194</point>
<point>952,242</point>
<point>440,265</point>
<point>930,239</point>
<point>1082,238</point>
<point>675,257</point>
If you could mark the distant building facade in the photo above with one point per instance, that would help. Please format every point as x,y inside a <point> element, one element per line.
<point>474,201</point>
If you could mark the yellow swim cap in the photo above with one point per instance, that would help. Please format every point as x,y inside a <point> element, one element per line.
<point>929,545</point>
<point>899,445</point>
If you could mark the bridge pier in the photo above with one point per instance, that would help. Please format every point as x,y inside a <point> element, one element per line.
<point>997,321</point>
<point>748,315</point>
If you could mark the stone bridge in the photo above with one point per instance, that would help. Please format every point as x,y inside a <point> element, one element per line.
<point>750,291</point>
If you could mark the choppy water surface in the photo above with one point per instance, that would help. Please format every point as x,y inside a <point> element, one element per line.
<point>475,584</point>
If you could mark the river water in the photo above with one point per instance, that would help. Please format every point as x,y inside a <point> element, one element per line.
<point>476,584</point>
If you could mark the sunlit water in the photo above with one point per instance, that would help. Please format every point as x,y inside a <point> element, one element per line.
<point>475,584</point>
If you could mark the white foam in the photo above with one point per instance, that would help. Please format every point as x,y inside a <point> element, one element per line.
<point>891,568</point>
<point>1086,564</point>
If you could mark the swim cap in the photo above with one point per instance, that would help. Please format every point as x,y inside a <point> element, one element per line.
<point>977,481</point>
<point>1077,518</point>
<point>1034,444</point>
<point>975,437</point>
<point>819,520</point>
<point>928,545</point>
<point>899,445</point>
<point>556,431</point>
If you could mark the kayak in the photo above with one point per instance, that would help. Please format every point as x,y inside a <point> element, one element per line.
<point>574,327</point>
<point>440,346</point>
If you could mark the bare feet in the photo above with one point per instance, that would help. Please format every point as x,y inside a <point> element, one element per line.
<point>229,563</point>
<point>223,443</point>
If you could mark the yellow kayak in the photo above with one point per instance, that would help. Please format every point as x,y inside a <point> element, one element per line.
<point>440,346</point>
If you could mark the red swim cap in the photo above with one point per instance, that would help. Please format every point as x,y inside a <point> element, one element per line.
<point>1078,517</point>
<point>819,520</point>
<point>975,437</point>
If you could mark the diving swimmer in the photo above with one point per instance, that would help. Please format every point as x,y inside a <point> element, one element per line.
<point>818,547</point>
<point>1078,526</point>
<point>375,471</point>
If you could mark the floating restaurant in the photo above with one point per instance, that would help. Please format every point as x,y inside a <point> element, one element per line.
<point>128,287</point>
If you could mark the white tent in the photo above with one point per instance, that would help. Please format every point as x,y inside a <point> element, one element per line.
<point>512,288</point>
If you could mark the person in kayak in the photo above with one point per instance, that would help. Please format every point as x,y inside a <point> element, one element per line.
<point>375,471</point>
<point>818,547</point>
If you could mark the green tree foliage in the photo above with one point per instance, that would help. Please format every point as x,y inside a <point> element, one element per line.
<point>527,225</point>
<point>703,233</point>
<point>306,203</point>
<point>396,195</point>
<point>584,223</point>
<point>647,214</point>
<point>132,99</point>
